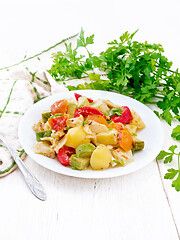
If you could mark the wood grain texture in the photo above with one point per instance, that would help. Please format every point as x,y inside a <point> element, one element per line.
<point>172,196</point>
<point>128,207</point>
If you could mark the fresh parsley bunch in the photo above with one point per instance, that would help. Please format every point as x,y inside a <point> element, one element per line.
<point>139,70</point>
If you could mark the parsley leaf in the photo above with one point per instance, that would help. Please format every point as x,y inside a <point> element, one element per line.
<point>172,148</point>
<point>176,133</point>
<point>82,41</point>
<point>176,183</point>
<point>171,173</point>
<point>168,159</point>
<point>162,155</point>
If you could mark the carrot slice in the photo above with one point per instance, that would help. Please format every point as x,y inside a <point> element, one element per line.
<point>125,140</point>
<point>98,119</point>
<point>117,126</point>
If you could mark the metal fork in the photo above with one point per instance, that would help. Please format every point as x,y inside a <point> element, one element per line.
<point>34,185</point>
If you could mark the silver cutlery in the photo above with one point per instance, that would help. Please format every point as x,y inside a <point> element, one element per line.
<point>34,185</point>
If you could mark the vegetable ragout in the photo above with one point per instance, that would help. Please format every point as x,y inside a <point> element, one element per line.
<point>81,132</point>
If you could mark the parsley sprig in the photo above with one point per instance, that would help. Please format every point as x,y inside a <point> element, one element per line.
<point>168,158</point>
<point>171,173</point>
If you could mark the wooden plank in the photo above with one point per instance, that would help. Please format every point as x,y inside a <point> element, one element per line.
<point>173,197</point>
<point>128,207</point>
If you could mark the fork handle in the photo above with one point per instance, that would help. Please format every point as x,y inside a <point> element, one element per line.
<point>33,183</point>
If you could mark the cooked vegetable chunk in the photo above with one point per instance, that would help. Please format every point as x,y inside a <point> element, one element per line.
<point>85,150</point>
<point>86,110</point>
<point>97,127</point>
<point>75,137</point>
<point>59,144</point>
<point>98,119</point>
<point>123,157</point>
<point>132,128</point>
<point>138,144</point>
<point>82,101</point>
<point>77,96</point>
<point>107,138</point>
<point>58,123</point>
<point>71,107</point>
<point>125,140</point>
<point>79,163</point>
<point>64,155</point>
<point>125,116</point>
<point>38,126</point>
<point>43,134</point>
<point>47,126</point>
<point>115,111</point>
<point>44,149</point>
<point>45,116</point>
<point>75,122</point>
<point>101,106</point>
<point>60,106</point>
<point>137,121</point>
<point>100,158</point>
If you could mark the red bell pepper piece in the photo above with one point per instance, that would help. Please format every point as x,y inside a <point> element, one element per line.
<point>77,96</point>
<point>85,111</point>
<point>58,123</point>
<point>125,117</point>
<point>64,155</point>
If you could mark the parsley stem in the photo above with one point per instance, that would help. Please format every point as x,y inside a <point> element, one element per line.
<point>167,69</point>
<point>88,52</point>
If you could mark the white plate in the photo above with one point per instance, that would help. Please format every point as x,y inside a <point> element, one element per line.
<point>152,135</point>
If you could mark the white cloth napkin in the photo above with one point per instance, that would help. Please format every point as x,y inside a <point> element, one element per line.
<point>17,94</point>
